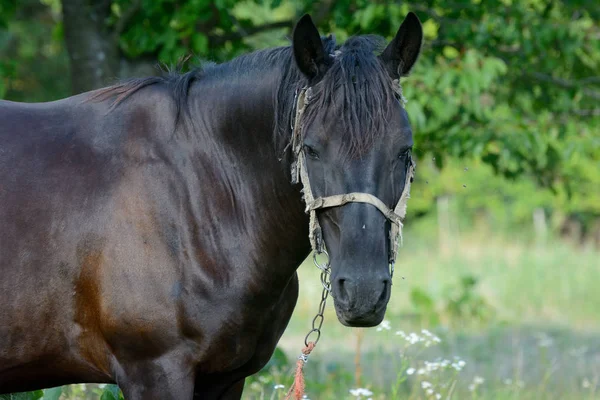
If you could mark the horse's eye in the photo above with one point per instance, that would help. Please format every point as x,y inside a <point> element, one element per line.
<point>312,153</point>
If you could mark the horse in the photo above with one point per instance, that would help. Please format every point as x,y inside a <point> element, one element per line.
<point>150,230</point>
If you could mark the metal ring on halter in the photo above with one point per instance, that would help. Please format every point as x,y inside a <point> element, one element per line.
<point>324,268</point>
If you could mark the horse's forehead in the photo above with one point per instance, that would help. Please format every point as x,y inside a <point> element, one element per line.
<point>332,122</point>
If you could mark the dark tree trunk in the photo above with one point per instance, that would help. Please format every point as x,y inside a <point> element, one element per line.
<point>92,46</point>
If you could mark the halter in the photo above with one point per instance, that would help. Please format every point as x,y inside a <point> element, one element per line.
<point>300,174</point>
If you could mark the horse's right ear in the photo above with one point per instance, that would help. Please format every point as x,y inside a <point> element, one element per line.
<point>401,54</point>
<point>308,49</point>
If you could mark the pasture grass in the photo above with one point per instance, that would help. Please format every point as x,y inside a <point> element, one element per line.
<point>526,324</point>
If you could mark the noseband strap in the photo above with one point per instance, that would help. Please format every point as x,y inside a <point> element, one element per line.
<point>300,174</point>
<point>356,197</point>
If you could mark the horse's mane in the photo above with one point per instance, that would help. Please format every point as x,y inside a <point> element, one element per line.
<point>356,90</point>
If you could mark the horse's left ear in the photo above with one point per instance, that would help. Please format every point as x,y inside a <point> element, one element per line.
<point>401,54</point>
<point>308,48</point>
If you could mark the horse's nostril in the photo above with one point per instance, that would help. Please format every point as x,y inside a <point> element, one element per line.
<point>342,293</point>
<point>383,297</point>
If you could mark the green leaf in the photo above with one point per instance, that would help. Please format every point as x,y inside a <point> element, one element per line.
<point>450,52</point>
<point>35,395</point>
<point>200,43</point>
<point>111,392</point>
<point>52,394</point>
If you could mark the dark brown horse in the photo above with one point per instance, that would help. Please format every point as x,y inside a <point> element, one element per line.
<point>149,231</point>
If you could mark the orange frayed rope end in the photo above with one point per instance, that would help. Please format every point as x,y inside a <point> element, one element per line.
<point>297,387</point>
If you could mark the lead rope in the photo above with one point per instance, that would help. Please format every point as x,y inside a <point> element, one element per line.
<point>297,387</point>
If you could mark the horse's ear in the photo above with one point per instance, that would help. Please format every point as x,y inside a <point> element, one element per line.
<point>401,54</point>
<point>308,49</point>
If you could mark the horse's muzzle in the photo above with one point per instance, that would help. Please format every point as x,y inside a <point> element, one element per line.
<point>361,302</point>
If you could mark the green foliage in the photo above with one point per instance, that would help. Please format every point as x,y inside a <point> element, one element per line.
<point>7,11</point>
<point>33,60</point>
<point>52,394</point>
<point>38,394</point>
<point>278,360</point>
<point>458,304</point>
<point>111,392</point>
<point>172,29</point>
<point>465,304</point>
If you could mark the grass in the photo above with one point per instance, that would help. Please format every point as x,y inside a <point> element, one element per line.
<point>528,326</point>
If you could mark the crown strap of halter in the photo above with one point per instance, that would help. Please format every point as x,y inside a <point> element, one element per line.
<point>300,174</point>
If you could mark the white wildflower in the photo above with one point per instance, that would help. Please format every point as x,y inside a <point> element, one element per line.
<point>420,371</point>
<point>276,387</point>
<point>360,392</point>
<point>385,325</point>
<point>586,384</point>
<point>426,385</point>
<point>477,380</point>
<point>401,333</point>
<point>429,392</point>
<point>429,338</point>
<point>410,371</point>
<point>431,366</point>
<point>438,396</point>
<point>458,364</point>
<point>413,338</point>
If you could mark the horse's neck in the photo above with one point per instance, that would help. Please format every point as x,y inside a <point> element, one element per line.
<point>258,212</point>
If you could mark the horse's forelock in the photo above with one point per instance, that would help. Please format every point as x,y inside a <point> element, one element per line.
<point>357,93</point>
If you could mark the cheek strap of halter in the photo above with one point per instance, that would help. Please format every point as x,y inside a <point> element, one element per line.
<point>300,174</point>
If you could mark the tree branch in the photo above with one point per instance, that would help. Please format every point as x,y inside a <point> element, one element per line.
<point>564,83</point>
<point>220,39</point>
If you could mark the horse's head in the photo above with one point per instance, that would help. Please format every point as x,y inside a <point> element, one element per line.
<point>356,138</point>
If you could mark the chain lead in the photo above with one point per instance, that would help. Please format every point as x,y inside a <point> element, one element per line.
<point>317,321</point>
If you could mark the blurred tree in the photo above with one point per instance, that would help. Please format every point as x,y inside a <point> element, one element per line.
<point>91,42</point>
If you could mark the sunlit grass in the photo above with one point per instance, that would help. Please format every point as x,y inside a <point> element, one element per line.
<point>539,339</point>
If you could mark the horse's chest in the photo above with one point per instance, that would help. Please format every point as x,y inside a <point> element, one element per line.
<point>246,335</point>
